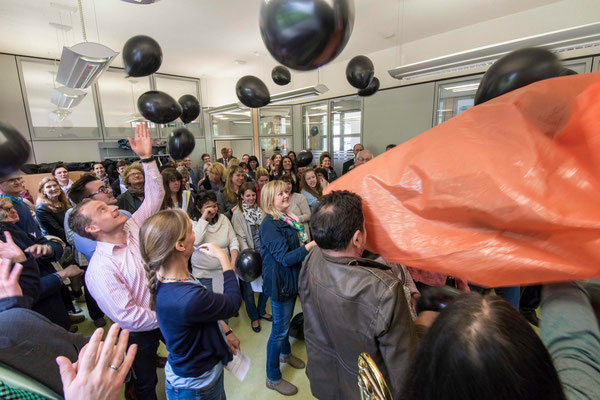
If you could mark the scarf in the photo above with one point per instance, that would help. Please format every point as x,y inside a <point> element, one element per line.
<point>253,215</point>
<point>136,193</point>
<point>296,225</point>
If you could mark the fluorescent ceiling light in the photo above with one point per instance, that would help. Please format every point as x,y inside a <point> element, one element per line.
<point>241,122</point>
<point>467,86</point>
<point>64,97</point>
<point>580,37</point>
<point>239,107</point>
<point>298,94</point>
<point>81,64</point>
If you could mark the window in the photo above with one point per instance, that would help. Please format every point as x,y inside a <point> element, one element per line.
<point>454,97</point>
<point>235,122</point>
<point>177,87</point>
<point>118,98</point>
<point>275,131</point>
<point>345,129</point>
<point>314,126</point>
<point>48,121</point>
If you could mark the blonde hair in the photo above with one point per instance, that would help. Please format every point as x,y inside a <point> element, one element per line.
<point>63,202</point>
<point>137,166</point>
<point>228,190</point>
<point>158,237</point>
<point>321,157</point>
<point>317,191</point>
<point>219,168</point>
<point>260,171</point>
<point>267,197</point>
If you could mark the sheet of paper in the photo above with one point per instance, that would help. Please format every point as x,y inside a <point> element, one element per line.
<point>239,366</point>
<point>257,284</point>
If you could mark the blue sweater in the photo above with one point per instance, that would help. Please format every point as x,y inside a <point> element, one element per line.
<point>188,316</point>
<point>282,257</point>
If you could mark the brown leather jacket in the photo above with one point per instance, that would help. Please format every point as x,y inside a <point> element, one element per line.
<point>353,305</point>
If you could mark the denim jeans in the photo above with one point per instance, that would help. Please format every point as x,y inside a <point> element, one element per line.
<point>144,365</point>
<point>207,282</point>
<point>251,308</point>
<point>512,294</point>
<point>214,392</point>
<point>279,341</point>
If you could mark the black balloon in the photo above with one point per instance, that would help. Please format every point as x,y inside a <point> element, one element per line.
<point>371,89</point>
<point>142,56</point>
<point>314,131</point>
<point>517,69</point>
<point>158,107</point>
<point>252,92</point>
<point>248,265</point>
<point>360,71</point>
<point>304,158</point>
<point>297,326</point>
<point>14,150</point>
<point>181,143</point>
<point>281,75</point>
<point>566,72</point>
<point>307,34</point>
<point>436,298</point>
<point>190,108</point>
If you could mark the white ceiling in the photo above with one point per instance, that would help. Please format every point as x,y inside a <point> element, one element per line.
<point>203,38</point>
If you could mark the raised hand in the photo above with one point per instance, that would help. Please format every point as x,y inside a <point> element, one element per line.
<point>101,368</point>
<point>10,250</point>
<point>9,280</point>
<point>142,143</point>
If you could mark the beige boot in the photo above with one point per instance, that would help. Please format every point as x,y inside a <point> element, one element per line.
<point>284,387</point>
<point>293,361</point>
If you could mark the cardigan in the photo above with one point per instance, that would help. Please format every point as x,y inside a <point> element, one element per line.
<point>51,222</point>
<point>242,230</point>
<point>282,257</point>
<point>299,206</point>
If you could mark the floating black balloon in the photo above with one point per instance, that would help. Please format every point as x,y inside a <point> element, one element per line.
<point>307,34</point>
<point>360,71</point>
<point>14,150</point>
<point>142,56</point>
<point>248,265</point>
<point>281,75</point>
<point>371,89</point>
<point>190,108</point>
<point>158,107</point>
<point>566,72</point>
<point>181,143</point>
<point>314,131</point>
<point>436,298</point>
<point>252,92</point>
<point>517,69</point>
<point>304,158</point>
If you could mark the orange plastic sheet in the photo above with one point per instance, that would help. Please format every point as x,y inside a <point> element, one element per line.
<point>508,192</point>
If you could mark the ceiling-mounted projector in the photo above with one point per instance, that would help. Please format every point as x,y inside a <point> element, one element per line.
<point>64,97</point>
<point>81,64</point>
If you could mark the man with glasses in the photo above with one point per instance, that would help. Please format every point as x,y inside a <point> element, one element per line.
<point>363,156</point>
<point>11,187</point>
<point>348,164</point>
<point>116,275</point>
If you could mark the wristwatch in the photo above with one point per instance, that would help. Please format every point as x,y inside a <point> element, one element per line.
<point>228,332</point>
<point>147,160</point>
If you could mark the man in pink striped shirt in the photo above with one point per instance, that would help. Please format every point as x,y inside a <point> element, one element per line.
<point>115,276</point>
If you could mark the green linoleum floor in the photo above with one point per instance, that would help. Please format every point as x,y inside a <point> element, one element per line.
<point>254,345</point>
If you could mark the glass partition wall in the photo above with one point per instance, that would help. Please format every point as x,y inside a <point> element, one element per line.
<point>334,126</point>
<point>275,131</point>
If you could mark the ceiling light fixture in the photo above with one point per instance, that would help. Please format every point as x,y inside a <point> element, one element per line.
<point>65,98</point>
<point>228,107</point>
<point>297,94</point>
<point>581,37</point>
<point>81,64</point>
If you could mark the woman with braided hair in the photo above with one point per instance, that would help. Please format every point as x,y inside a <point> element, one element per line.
<point>188,314</point>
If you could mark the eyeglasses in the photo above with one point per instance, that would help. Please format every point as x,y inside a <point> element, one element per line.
<point>363,159</point>
<point>12,180</point>
<point>102,189</point>
<point>135,174</point>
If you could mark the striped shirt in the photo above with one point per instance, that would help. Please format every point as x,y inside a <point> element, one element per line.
<point>116,277</point>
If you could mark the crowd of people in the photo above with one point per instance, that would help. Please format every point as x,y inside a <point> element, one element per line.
<point>157,249</point>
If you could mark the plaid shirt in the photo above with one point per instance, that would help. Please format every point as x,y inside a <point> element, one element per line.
<point>8,393</point>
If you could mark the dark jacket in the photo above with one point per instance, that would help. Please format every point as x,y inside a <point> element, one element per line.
<point>126,202</point>
<point>116,187</point>
<point>346,166</point>
<point>282,257</point>
<point>52,223</point>
<point>49,301</point>
<point>353,305</point>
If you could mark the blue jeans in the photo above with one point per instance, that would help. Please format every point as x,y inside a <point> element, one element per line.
<point>207,282</point>
<point>512,294</point>
<point>214,392</point>
<point>251,308</point>
<point>279,341</point>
